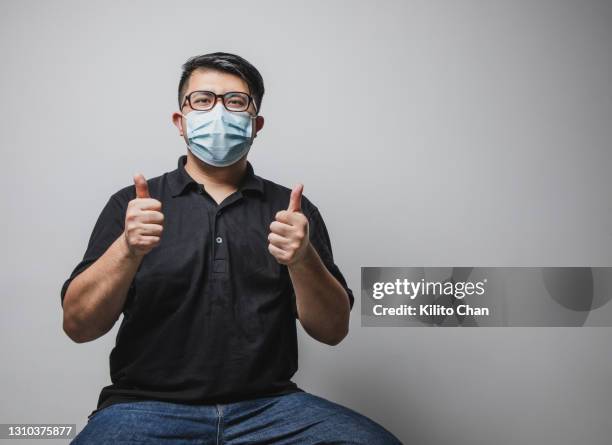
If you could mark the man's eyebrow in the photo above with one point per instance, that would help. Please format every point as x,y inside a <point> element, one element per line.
<point>220,94</point>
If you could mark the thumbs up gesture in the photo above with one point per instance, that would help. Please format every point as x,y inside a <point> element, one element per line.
<point>143,220</point>
<point>289,237</point>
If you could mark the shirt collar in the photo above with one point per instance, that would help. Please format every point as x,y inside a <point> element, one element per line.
<point>179,179</point>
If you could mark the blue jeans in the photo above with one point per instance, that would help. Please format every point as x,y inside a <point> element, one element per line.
<point>294,418</point>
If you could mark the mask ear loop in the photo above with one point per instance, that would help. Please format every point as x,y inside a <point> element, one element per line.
<point>253,122</point>
<point>253,128</point>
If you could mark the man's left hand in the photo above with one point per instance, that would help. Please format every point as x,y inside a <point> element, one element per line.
<point>289,236</point>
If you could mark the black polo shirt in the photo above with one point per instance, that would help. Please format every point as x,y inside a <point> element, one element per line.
<point>210,316</point>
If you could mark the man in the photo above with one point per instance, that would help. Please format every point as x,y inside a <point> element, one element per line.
<point>211,265</point>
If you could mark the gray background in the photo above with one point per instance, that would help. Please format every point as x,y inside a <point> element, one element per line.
<point>429,133</point>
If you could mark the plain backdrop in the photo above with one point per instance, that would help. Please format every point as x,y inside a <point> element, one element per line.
<point>429,133</point>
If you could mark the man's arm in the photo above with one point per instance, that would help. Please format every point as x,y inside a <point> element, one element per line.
<point>95,297</point>
<point>322,302</point>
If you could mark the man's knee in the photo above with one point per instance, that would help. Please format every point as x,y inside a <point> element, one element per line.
<point>103,427</point>
<point>345,425</point>
<point>146,422</point>
<point>359,429</point>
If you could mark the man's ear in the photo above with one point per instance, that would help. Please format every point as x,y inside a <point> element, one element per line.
<point>177,120</point>
<point>259,123</point>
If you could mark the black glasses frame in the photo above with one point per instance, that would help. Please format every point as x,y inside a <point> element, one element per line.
<point>250,101</point>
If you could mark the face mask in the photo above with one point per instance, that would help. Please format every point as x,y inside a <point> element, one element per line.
<point>219,137</point>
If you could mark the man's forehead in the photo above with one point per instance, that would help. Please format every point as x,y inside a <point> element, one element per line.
<point>219,82</point>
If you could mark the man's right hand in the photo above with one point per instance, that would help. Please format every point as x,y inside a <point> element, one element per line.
<point>143,220</point>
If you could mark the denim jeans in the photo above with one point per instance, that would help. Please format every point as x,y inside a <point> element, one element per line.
<point>294,418</point>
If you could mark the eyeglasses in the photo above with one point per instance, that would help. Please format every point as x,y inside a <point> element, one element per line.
<point>206,100</point>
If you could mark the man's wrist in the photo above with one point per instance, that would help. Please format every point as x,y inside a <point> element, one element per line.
<point>125,251</point>
<point>305,261</point>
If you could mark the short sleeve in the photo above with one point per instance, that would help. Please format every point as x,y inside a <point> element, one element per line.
<point>319,237</point>
<point>108,227</point>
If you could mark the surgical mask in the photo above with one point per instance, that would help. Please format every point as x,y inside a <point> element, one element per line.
<point>219,137</point>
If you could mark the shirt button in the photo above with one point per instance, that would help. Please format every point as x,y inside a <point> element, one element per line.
<point>219,240</point>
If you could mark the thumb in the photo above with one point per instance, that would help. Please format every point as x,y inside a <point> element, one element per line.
<point>295,201</point>
<point>142,188</point>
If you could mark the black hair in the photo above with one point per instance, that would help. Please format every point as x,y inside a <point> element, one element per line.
<point>229,63</point>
